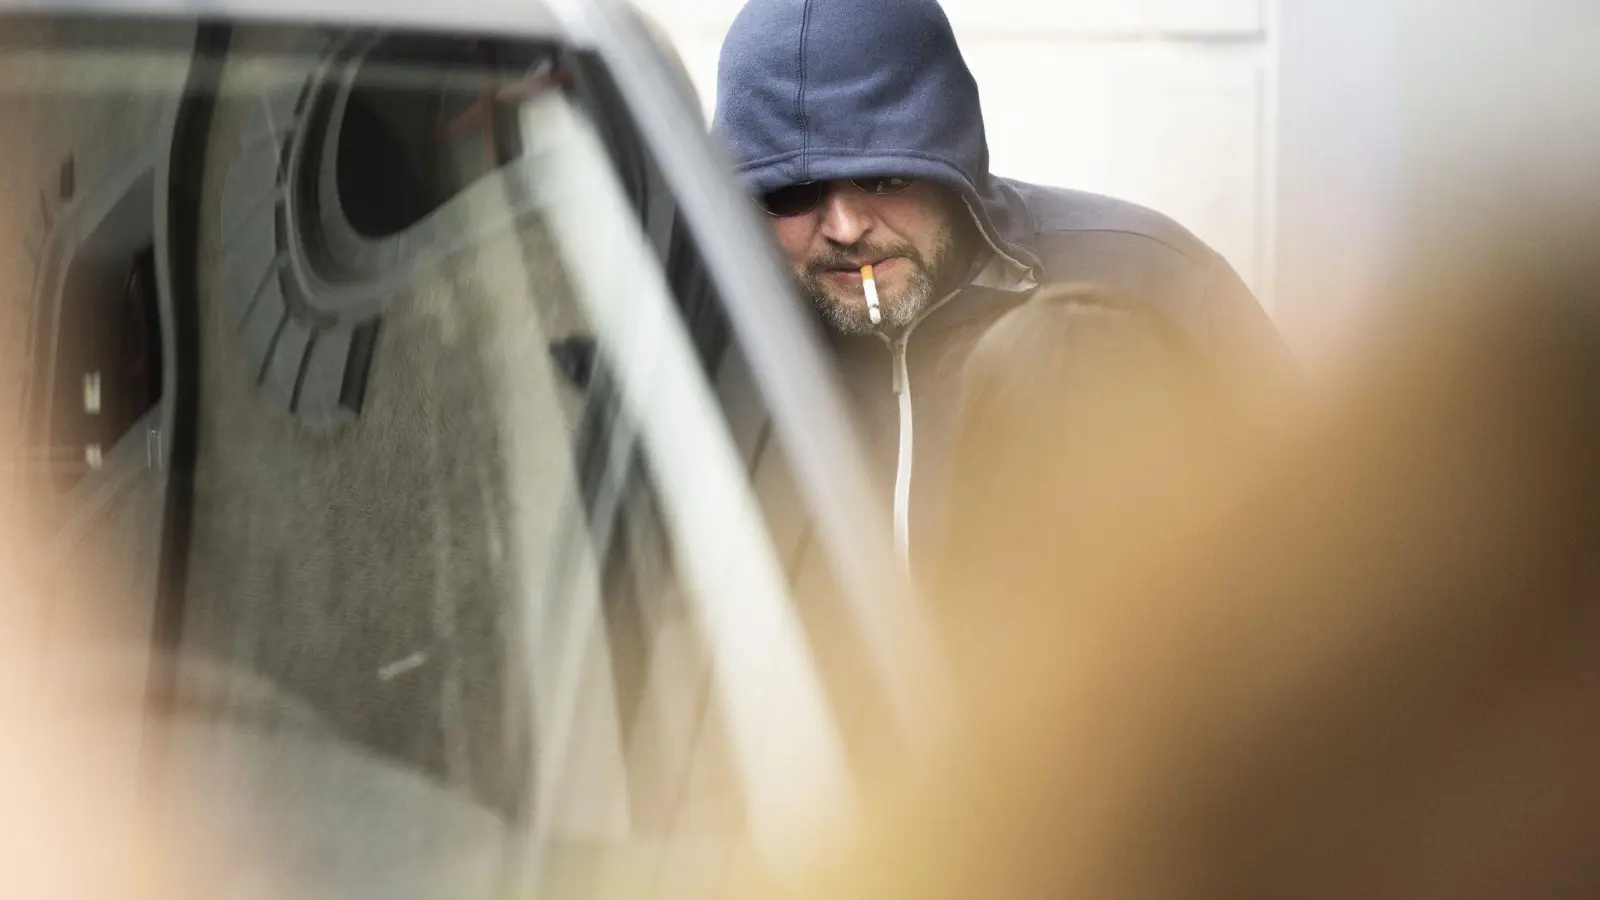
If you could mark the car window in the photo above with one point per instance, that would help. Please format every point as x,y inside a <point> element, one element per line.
<point>488,567</point>
<point>80,323</point>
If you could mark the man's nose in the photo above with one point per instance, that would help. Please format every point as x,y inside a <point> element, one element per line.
<point>846,217</point>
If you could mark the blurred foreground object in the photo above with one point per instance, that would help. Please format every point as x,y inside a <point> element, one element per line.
<point>1082,402</point>
<point>1359,662</point>
<point>70,827</point>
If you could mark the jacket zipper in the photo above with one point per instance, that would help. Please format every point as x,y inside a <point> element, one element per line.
<point>903,464</point>
<point>902,476</point>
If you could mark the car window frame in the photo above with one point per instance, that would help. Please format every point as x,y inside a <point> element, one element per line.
<point>786,356</point>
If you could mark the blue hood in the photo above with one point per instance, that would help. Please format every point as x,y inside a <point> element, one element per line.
<point>819,90</point>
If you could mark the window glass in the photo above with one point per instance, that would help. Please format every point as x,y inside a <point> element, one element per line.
<point>81,311</point>
<point>421,507</point>
<point>491,570</point>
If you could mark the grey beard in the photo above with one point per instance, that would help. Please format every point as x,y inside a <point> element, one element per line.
<point>934,274</point>
<point>898,315</point>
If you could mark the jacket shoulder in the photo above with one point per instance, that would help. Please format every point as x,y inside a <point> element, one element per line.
<point>1059,213</point>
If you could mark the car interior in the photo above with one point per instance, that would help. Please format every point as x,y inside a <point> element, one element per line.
<point>308,392</point>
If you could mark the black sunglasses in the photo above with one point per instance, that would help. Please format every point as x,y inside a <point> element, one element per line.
<point>803,198</point>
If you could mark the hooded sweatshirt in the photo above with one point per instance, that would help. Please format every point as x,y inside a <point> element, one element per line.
<point>820,90</point>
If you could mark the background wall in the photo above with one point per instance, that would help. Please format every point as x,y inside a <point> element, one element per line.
<point>1170,103</point>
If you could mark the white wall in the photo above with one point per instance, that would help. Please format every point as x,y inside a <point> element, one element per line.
<point>1169,103</point>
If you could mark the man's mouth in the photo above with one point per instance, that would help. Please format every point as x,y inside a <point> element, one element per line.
<point>850,273</point>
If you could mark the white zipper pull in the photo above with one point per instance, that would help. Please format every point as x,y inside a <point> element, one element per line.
<point>898,349</point>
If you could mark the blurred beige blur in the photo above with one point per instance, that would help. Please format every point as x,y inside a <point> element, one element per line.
<point>1354,660</point>
<point>74,824</point>
<point>1357,660</point>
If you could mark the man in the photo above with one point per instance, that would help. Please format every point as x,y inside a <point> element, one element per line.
<point>857,125</point>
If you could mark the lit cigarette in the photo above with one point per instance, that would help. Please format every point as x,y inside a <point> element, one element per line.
<point>871,287</point>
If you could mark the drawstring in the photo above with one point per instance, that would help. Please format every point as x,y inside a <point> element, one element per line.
<point>902,478</point>
<point>903,465</point>
<point>902,385</point>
